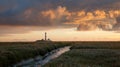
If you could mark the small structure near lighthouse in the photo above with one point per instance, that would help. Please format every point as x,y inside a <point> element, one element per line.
<point>45,39</point>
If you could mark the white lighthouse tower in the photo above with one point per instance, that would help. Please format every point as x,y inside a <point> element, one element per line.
<point>45,36</point>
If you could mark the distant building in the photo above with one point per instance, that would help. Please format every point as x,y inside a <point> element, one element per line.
<point>44,40</point>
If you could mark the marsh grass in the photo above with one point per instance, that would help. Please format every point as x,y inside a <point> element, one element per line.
<point>89,54</point>
<point>14,52</point>
<point>87,57</point>
<point>82,54</point>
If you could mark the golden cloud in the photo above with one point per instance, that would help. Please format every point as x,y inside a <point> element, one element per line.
<point>98,19</point>
<point>61,16</point>
<point>56,14</point>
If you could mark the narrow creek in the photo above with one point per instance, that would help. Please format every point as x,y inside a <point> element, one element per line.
<point>39,61</point>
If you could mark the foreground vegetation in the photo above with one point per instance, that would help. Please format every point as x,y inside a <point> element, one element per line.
<point>89,54</point>
<point>14,52</point>
<point>82,54</point>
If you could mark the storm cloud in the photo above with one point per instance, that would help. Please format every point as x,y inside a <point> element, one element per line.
<point>86,14</point>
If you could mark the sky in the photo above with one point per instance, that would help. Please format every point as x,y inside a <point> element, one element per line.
<point>63,20</point>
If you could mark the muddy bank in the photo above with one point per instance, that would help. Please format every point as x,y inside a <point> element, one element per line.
<point>40,61</point>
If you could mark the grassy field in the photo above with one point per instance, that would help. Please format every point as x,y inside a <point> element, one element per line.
<point>89,54</point>
<point>82,54</point>
<point>14,52</point>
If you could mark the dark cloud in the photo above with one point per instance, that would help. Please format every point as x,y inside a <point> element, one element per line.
<point>60,13</point>
<point>117,25</point>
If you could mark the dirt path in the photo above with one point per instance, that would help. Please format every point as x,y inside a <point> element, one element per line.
<point>38,61</point>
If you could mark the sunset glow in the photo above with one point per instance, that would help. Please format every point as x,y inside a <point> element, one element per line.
<point>64,35</point>
<point>63,20</point>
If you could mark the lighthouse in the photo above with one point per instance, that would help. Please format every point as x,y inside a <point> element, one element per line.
<point>45,36</point>
<point>44,40</point>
